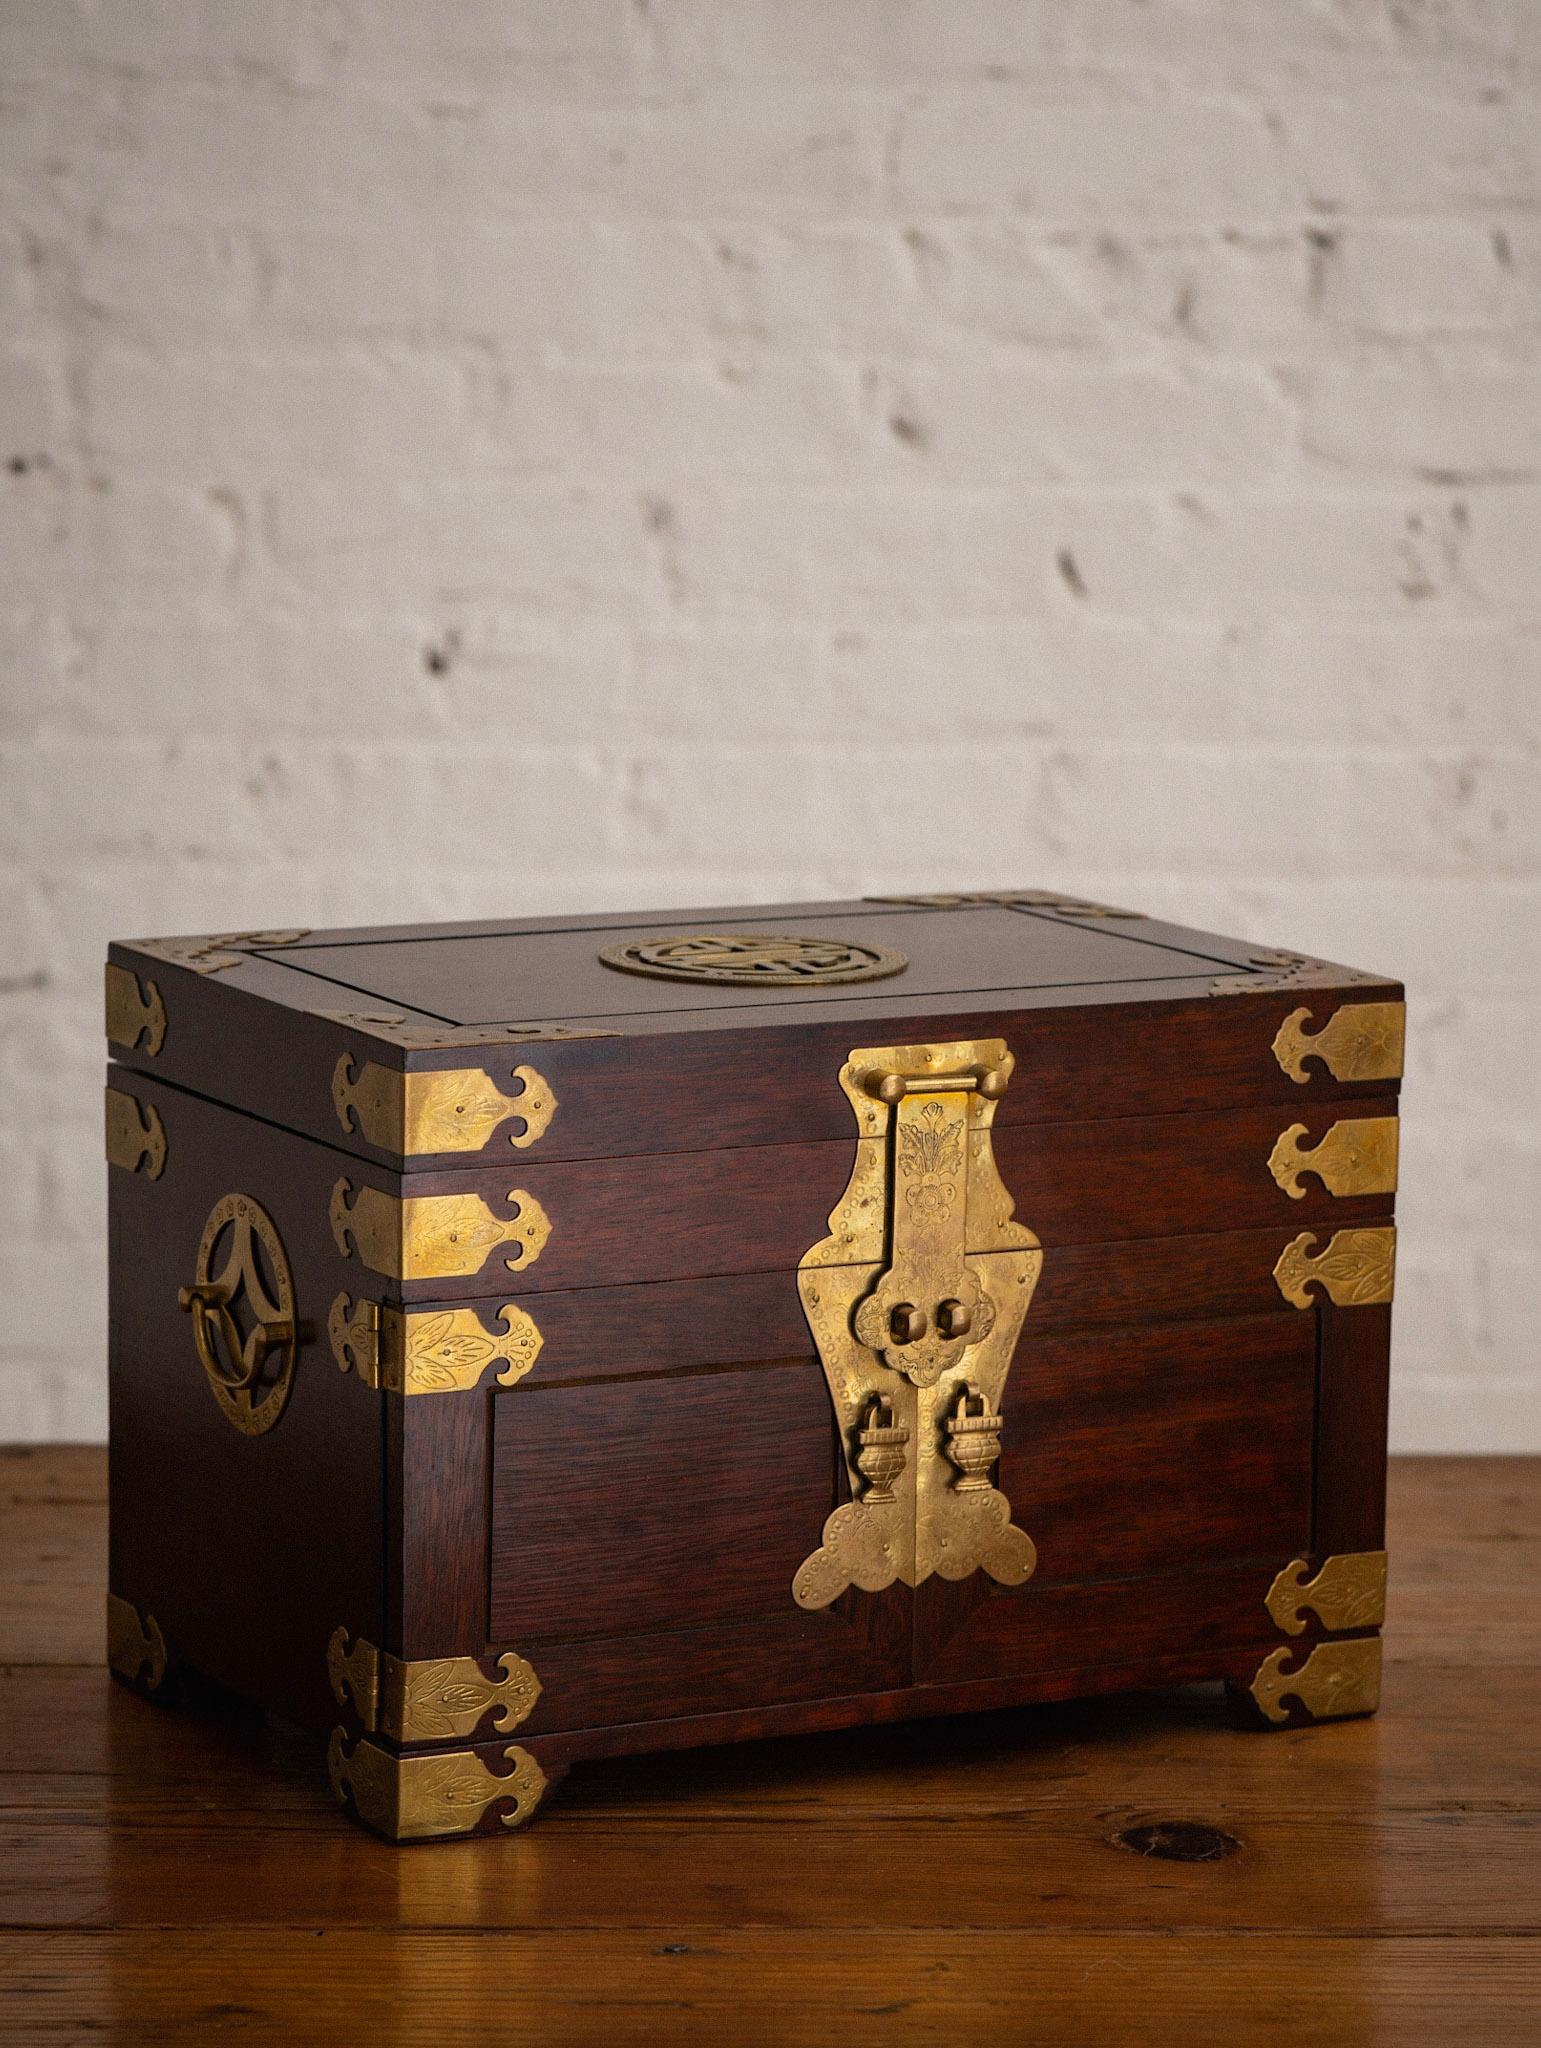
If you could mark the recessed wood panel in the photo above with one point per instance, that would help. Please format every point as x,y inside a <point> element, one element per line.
<point>1162,1449</point>
<point>633,1505</point>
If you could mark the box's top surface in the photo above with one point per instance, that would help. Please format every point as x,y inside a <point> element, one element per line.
<point>669,994</point>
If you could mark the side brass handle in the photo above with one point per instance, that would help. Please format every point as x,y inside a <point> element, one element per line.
<point>239,1360</point>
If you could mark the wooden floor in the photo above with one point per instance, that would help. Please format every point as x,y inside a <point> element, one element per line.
<point>169,1877</point>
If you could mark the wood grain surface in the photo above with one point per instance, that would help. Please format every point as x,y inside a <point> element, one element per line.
<point>181,1876</point>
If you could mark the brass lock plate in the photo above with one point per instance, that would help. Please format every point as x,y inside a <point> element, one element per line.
<point>915,1300</point>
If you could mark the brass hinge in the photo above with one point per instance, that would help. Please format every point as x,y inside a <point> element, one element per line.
<point>456,1110</point>
<point>428,1699</point>
<point>915,1300</point>
<point>432,1350</point>
<point>434,1237</point>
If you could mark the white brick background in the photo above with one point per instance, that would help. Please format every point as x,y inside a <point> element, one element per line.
<point>475,456</point>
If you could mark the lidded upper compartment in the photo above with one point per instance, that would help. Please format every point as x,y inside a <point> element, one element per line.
<point>432,1048</point>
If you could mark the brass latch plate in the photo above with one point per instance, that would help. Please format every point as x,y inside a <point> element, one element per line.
<point>915,1300</point>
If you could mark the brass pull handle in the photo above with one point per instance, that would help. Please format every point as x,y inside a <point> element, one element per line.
<point>880,1451</point>
<point>973,1439</point>
<point>238,1361</point>
<point>906,1323</point>
<point>989,1082</point>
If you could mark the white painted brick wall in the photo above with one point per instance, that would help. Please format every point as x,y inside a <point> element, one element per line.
<point>475,456</point>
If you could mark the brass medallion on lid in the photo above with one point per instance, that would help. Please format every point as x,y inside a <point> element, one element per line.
<point>755,959</point>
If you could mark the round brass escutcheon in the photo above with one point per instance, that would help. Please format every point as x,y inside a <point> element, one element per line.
<point>244,1323</point>
<point>755,959</point>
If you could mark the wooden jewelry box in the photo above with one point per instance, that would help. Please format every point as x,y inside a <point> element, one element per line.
<point>540,1341</point>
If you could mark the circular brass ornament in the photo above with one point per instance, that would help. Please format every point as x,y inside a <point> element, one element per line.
<point>755,959</point>
<point>248,1356</point>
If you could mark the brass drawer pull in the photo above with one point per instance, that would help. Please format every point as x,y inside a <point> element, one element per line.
<point>250,1372</point>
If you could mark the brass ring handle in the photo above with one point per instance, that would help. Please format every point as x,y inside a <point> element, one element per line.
<point>250,1373</point>
<point>210,1298</point>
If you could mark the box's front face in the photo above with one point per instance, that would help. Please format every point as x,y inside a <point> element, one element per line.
<point>1036,1362</point>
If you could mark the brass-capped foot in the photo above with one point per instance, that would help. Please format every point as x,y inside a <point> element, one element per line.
<point>136,1649</point>
<point>1334,1681</point>
<point>428,1797</point>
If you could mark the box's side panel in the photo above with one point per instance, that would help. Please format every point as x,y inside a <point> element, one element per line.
<point>246,1542</point>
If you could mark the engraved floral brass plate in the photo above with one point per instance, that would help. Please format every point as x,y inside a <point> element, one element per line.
<point>915,1301</point>
<point>1358,1156</point>
<point>136,1137</point>
<point>1359,1042</point>
<point>1356,1270</point>
<point>428,1699</point>
<point>244,1324</point>
<point>444,1792</point>
<point>755,959</point>
<point>455,1110</point>
<point>434,1237</point>
<point>429,1351</point>
<point>1347,1591</point>
<point>1337,1680</point>
<point>135,1012</point>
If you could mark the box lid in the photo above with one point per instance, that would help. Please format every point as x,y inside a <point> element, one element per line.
<point>428,1047</point>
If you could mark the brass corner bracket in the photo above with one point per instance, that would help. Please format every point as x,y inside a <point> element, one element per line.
<point>1357,1269</point>
<point>135,1010</point>
<point>444,1792</point>
<point>136,1649</point>
<point>1359,1042</point>
<point>213,955</point>
<point>136,1137</point>
<point>1348,1591</point>
<point>915,1301</point>
<point>454,1110</point>
<point>433,1237</point>
<point>1339,1679</point>
<point>428,1699</point>
<point>1356,1156</point>
<point>429,1351</point>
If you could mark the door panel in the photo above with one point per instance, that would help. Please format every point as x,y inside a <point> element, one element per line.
<point>644,1536</point>
<point>1139,1460</point>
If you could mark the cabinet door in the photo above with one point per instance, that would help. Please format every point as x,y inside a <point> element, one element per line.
<point>644,1537</point>
<point>1165,1475</point>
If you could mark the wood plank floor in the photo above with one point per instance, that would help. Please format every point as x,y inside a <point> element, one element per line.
<point>169,1877</point>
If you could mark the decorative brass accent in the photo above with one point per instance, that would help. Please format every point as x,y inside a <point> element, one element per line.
<point>1338,1679</point>
<point>1359,1042</point>
<point>136,1649</point>
<point>134,1010</point>
<point>1356,1270</point>
<point>135,1135</point>
<point>915,1301</point>
<point>456,1110</point>
<point>426,1034</point>
<point>755,959</point>
<point>433,1237</point>
<point>1358,1156</point>
<point>1348,1591</point>
<point>234,1360</point>
<point>880,1453</point>
<point>446,1792</point>
<point>428,1699</point>
<point>214,955</point>
<point>1277,967</point>
<point>429,1351</point>
<point>1013,899</point>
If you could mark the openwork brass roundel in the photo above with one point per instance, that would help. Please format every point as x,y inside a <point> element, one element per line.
<point>755,959</point>
<point>243,1313</point>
